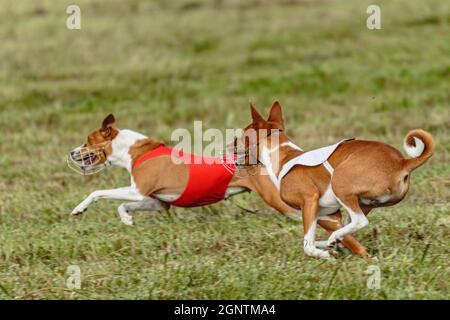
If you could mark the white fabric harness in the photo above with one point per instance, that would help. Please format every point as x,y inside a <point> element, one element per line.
<point>311,159</point>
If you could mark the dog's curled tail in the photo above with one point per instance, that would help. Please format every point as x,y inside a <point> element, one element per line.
<point>419,145</point>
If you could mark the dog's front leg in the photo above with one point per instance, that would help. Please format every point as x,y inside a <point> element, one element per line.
<point>127,193</point>
<point>309,212</point>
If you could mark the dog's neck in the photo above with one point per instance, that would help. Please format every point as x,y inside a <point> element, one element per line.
<point>275,156</point>
<point>121,146</point>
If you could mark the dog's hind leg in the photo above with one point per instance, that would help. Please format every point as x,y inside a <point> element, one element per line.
<point>148,204</point>
<point>332,223</point>
<point>357,216</point>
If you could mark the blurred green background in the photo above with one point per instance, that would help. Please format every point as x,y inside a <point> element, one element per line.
<point>160,65</point>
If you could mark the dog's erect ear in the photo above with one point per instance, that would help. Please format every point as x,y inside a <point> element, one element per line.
<point>109,121</point>
<point>276,114</point>
<point>258,120</point>
<point>108,126</point>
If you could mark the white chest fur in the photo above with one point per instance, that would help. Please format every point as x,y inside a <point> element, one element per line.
<point>328,203</point>
<point>121,145</point>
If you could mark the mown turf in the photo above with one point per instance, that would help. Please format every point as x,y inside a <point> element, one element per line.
<point>160,65</point>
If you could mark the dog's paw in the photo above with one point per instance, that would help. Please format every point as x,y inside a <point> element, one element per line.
<point>321,244</point>
<point>327,255</point>
<point>318,253</point>
<point>82,207</point>
<point>331,243</point>
<point>128,220</point>
<point>334,253</point>
<point>78,210</point>
<point>124,216</point>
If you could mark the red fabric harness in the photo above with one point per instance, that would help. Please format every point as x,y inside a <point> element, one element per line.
<point>208,176</point>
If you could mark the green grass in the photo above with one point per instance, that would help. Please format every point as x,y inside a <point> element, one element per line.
<point>160,65</point>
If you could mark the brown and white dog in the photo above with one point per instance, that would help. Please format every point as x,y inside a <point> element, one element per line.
<point>358,176</point>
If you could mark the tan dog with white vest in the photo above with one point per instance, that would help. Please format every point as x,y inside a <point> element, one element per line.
<point>357,175</point>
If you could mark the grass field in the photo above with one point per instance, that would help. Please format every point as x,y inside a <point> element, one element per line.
<point>161,65</point>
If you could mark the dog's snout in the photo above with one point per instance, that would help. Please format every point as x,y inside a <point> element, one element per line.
<point>76,153</point>
<point>86,160</point>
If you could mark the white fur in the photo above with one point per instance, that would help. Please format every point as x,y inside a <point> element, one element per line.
<point>378,200</point>
<point>147,204</point>
<point>328,203</point>
<point>323,244</point>
<point>326,218</point>
<point>414,151</point>
<point>309,244</point>
<point>167,197</point>
<point>292,145</point>
<point>265,160</point>
<point>358,221</point>
<point>121,145</point>
<point>365,201</point>
<point>384,198</point>
<point>127,193</point>
<point>231,191</point>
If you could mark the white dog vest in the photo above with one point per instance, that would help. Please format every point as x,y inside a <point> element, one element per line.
<point>311,159</point>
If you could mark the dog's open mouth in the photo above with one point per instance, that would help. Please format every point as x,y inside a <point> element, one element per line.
<point>85,161</point>
<point>88,159</point>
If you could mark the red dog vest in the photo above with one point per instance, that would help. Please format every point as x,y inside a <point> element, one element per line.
<point>208,177</point>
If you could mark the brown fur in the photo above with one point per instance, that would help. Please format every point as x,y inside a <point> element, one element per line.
<point>103,138</point>
<point>142,147</point>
